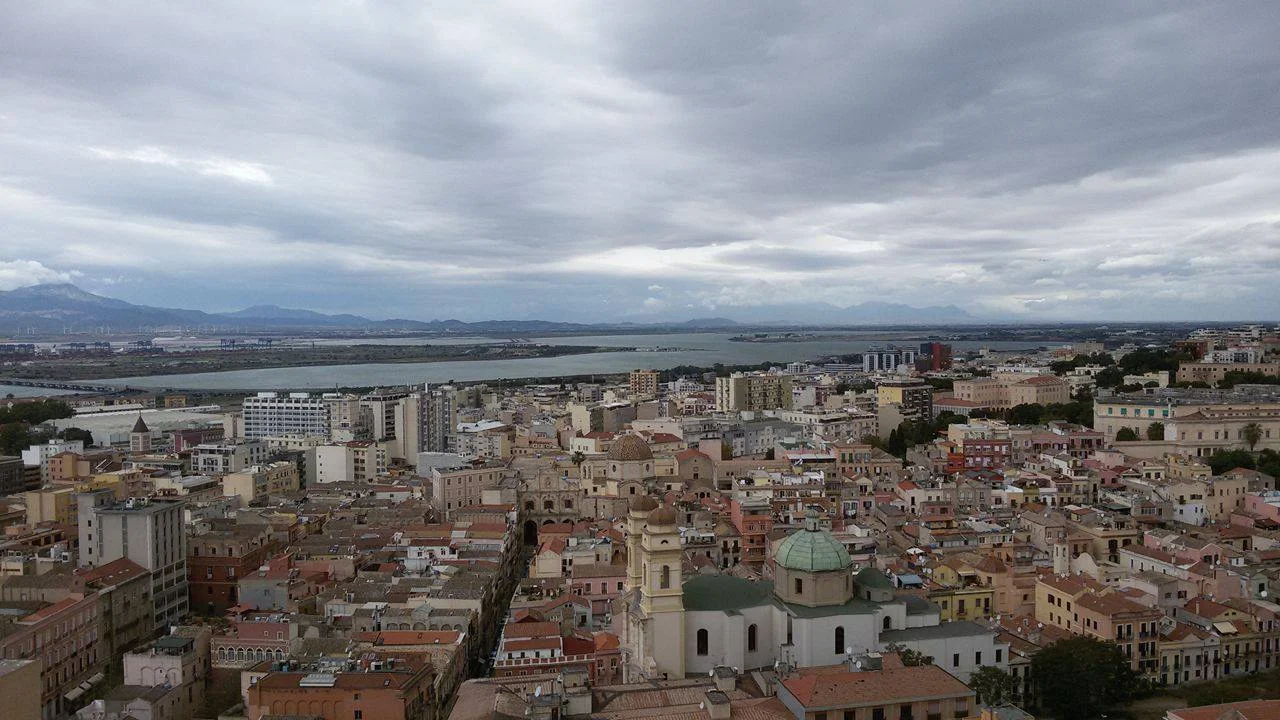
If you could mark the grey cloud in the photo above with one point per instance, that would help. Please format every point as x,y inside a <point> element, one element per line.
<point>486,158</point>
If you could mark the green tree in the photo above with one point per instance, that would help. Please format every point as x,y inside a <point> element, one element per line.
<point>993,685</point>
<point>1238,377</point>
<point>1079,678</point>
<point>577,458</point>
<point>1225,460</point>
<point>1025,414</point>
<point>75,433</point>
<point>1251,433</point>
<point>1155,431</point>
<point>1126,434</point>
<point>941,383</point>
<point>908,656</point>
<point>1268,462</point>
<point>1109,378</point>
<point>14,438</point>
<point>896,446</point>
<point>35,412</point>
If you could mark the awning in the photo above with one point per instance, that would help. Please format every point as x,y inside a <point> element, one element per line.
<point>1225,628</point>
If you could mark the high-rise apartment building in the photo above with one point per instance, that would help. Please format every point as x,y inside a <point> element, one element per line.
<point>148,531</point>
<point>13,476</point>
<point>934,357</point>
<point>754,392</point>
<point>439,418</point>
<point>887,359</point>
<point>331,416</point>
<point>914,397</point>
<point>643,382</point>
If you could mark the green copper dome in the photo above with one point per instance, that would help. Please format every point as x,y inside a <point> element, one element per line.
<point>812,550</point>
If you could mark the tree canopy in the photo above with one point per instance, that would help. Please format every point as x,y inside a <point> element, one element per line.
<point>993,685</point>
<point>1081,677</point>
<point>1155,431</point>
<point>35,412</point>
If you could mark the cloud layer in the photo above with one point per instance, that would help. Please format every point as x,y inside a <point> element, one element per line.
<point>643,160</point>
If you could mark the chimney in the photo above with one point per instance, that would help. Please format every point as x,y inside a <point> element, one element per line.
<point>717,704</point>
<point>726,678</point>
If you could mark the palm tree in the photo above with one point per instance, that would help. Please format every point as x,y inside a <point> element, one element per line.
<point>577,458</point>
<point>1251,433</point>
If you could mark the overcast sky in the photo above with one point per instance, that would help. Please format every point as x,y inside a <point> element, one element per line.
<point>643,160</point>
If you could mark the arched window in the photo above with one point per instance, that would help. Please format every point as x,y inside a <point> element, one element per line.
<point>751,638</point>
<point>799,586</point>
<point>702,642</point>
<point>665,581</point>
<point>888,623</point>
<point>839,639</point>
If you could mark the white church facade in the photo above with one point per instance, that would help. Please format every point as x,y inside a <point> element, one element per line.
<point>818,610</point>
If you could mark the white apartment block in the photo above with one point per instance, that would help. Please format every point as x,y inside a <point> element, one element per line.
<point>223,458</point>
<point>888,359</point>
<point>331,415</point>
<point>356,461</point>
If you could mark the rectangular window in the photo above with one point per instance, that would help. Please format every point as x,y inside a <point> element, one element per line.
<point>955,660</point>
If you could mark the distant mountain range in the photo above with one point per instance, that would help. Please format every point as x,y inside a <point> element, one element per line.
<point>58,308</point>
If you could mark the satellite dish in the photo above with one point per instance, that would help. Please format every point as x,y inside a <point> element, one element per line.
<point>537,692</point>
<point>702,706</point>
<point>711,672</point>
<point>848,651</point>
<point>857,664</point>
<point>776,663</point>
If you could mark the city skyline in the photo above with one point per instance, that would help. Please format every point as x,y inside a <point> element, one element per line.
<point>646,163</point>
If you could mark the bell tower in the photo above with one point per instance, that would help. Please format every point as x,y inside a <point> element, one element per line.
<point>637,518</point>
<point>662,593</point>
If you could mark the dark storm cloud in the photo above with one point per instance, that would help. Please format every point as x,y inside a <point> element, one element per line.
<point>655,159</point>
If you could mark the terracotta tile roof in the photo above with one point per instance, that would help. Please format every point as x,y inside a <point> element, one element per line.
<point>991,564</point>
<point>607,641</point>
<point>116,571</point>
<point>1152,553</point>
<point>409,637</point>
<point>551,643</point>
<point>837,686</point>
<point>1205,608</point>
<point>1247,710</point>
<point>531,630</point>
